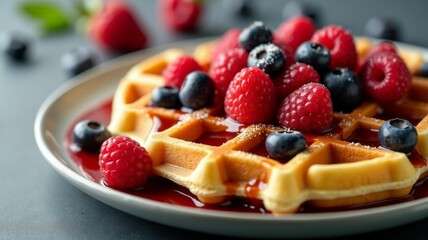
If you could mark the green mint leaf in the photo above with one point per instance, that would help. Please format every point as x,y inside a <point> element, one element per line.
<point>50,16</point>
<point>81,10</point>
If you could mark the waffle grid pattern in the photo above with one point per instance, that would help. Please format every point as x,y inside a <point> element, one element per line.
<point>330,172</point>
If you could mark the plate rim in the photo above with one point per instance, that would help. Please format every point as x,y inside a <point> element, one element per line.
<point>79,180</point>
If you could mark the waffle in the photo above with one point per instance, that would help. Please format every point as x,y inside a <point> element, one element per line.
<point>216,158</point>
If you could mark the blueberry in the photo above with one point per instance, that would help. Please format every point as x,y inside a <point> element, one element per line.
<point>285,144</point>
<point>297,8</point>
<point>383,28</point>
<point>15,46</point>
<point>90,135</point>
<point>254,35</point>
<point>423,71</point>
<point>345,88</point>
<point>314,54</point>
<point>77,60</point>
<point>166,97</point>
<point>197,90</point>
<point>237,7</point>
<point>398,135</point>
<point>269,58</point>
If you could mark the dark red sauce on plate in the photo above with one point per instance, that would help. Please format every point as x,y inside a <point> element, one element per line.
<point>162,190</point>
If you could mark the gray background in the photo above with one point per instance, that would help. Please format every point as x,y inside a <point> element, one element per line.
<point>36,203</point>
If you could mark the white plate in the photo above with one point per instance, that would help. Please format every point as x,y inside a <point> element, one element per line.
<point>92,88</point>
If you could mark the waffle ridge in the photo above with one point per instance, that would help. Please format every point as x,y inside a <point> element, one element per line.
<point>331,172</point>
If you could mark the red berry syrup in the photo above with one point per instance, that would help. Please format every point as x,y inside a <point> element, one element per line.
<point>162,190</point>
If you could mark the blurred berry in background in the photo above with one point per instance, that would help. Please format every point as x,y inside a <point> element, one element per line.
<point>237,7</point>
<point>382,28</point>
<point>15,46</point>
<point>298,8</point>
<point>180,15</point>
<point>77,60</point>
<point>115,28</point>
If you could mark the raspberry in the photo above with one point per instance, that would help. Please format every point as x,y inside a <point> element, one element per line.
<point>296,76</point>
<point>116,28</point>
<point>180,15</point>
<point>288,53</point>
<point>175,73</point>
<point>386,78</point>
<point>229,40</point>
<point>295,31</point>
<point>251,97</point>
<point>341,45</point>
<point>308,109</point>
<point>383,47</point>
<point>124,164</point>
<point>226,66</point>
<point>360,64</point>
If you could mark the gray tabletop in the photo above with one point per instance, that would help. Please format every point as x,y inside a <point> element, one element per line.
<point>37,203</point>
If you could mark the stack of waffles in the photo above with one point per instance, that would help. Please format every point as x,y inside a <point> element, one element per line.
<point>217,158</point>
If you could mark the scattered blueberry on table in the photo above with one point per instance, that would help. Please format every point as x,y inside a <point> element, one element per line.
<point>77,60</point>
<point>15,46</point>
<point>382,28</point>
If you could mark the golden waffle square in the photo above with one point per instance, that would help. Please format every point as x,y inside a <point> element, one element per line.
<point>216,158</point>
